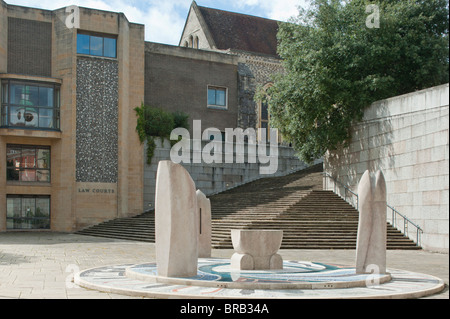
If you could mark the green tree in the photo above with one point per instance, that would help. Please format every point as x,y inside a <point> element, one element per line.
<point>336,66</point>
<point>154,122</point>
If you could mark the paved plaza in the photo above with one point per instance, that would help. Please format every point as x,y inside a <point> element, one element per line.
<point>41,265</point>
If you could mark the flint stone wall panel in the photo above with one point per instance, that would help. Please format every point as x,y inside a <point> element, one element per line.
<point>97,120</point>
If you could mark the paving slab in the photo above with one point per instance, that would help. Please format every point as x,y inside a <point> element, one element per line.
<point>59,256</point>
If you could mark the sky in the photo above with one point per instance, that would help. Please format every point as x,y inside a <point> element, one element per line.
<point>164,19</point>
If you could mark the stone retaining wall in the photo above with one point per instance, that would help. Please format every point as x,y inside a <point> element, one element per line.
<point>407,137</point>
<point>217,177</point>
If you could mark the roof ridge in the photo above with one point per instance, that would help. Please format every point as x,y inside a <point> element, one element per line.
<point>237,13</point>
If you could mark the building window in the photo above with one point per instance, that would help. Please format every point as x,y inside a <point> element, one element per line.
<point>264,120</point>
<point>196,43</point>
<point>217,97</point>
<point>27,212</point>
<point>96,45</point>
<point>30,105</point>
<point>28,163</point>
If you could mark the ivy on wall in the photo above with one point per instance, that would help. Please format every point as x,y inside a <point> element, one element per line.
<point>154,122</point>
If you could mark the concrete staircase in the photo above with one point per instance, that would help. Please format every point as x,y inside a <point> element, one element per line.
<point>310,217</point>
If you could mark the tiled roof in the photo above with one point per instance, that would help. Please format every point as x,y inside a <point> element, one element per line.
<point>237,31</point>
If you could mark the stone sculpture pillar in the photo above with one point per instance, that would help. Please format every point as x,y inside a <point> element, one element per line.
<point>176,225</point>
<point>204,221</point>
<point>371,241</point>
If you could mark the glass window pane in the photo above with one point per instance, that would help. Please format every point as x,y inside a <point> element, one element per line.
<point>43,158</point>
<point>16,93</point>
<point>17,116</point>
<point>4,115</point>
<point>13,163</point>
<point>96,46</point>
<point>31,117</point>
<point>42,207</point>
<point>27,175</point>
<point>28,207</point>
<point>24,109</point>
<point>13,207</point>
<point>12,174</point>
<point>31,96</point>
<point>57,97</point>
<point>46,118</point>
<point>42,214</point>
<point>109,47</point>
<point>13,157</point>
<point>28,212</point>
<point>45,96</point>
<point>28,157</point>
<point>211,97</point>
<point>264,111</point>
<point>4,93</point>
<point>221,97</point>
<point>83,44</point>
<point>43,175</point>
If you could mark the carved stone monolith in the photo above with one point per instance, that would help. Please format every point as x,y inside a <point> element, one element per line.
<point>371,240</point>
<point>204,221</point>
<point>176,225</point>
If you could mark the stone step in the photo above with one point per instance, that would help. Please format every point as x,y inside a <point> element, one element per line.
<point>311,218</point>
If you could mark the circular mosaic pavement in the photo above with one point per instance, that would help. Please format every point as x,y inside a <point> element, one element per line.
<point>297,279</point>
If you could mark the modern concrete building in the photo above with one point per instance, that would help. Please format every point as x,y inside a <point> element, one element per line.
<point>70,80</point>
<point>67,134</point>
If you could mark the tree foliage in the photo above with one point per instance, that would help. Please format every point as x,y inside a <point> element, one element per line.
<point>154,122</point>
<point>336,66</point>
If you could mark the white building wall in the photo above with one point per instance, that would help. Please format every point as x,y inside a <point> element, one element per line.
<point>407,137</point>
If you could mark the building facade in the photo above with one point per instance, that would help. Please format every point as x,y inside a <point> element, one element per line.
<point>200,83</point>
<point>67,132</point>
<point>253,40</point>
<point>70,156</point>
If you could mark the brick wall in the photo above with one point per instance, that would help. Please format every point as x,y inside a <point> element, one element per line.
<point>176,79</point>
<point>29,47</point>
<point>3,36</point>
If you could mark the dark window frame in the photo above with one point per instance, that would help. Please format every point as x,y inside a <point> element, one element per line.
<point>7,105</point>
<point>13,173</point>
<point>216,105</point>
<point>103,37</point>
<point>34,220</point>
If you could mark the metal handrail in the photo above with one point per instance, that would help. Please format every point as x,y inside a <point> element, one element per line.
<point>395,213</point>
<point>346,188</point>
<point>406,221</point>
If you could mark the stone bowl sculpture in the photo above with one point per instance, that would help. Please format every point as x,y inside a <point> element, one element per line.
<point>256,249</point>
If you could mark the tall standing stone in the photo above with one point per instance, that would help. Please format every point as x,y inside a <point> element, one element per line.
<point>204,221</point>
<point>371,241</point>
<point>176,225</point>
